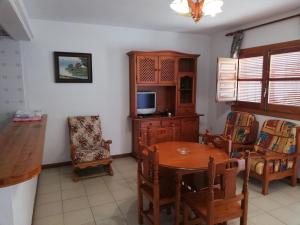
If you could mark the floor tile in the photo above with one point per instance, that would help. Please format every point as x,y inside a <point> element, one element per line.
<point>111,200</point>
<point>79,217</point>
<point>49,179</point>
<point>265,219</point>
<point>253,210</point>
<point>48,188</point>
<point>265,203</point>
<point>95,189</point>
<point>282,197</point>
<point>116,185</point>
<point>286,216</point>
<point>73,193</point>
<point>48,209</point>
<point>125,193</point>
<point>75,204</point>
<point>100,199</point>
<point>69,184</point>
<point>113,221</point>
<point>50,220</point>
<point>295,207</point>
<point>107,211</point>
<point>48,197</point>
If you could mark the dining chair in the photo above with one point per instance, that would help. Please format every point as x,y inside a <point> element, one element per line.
<point>224,143</point>
<point>154,135</point>
<point>219,203</point>
<point>159,191</point>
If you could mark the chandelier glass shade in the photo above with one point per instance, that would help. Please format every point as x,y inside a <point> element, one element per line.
<point>197,8</point>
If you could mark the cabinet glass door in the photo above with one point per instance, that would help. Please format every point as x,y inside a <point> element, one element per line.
<point>186,89</point>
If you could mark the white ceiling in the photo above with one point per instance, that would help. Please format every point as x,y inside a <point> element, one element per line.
<point>155,14</point>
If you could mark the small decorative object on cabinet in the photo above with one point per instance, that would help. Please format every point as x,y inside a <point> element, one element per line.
<point>172,77</point>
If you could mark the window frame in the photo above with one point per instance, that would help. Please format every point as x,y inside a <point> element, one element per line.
<point>264,108</point>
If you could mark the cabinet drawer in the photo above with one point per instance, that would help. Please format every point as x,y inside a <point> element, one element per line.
<point>169,123</point>
<point>154,123</point>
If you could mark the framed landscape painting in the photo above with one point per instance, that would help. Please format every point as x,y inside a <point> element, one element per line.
<point>73,67</point>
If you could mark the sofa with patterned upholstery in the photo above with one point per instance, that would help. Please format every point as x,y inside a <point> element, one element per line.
<point>88,148</point>
<point>241,128</point>
<point>276,153</point>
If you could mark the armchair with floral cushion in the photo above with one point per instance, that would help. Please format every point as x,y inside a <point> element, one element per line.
<point>240,128</point>
<point>88,148</point>
<point>276,153</point>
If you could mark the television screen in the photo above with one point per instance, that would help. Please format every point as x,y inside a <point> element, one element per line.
<point>146,100</point>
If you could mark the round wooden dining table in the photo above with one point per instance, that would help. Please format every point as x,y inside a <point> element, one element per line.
<point>196,157</point>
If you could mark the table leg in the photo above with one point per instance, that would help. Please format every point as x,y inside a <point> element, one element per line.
<point>178,199</point>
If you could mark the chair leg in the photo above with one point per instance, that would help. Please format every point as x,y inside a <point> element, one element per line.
<point>111,172</point>
<point>294,180</point>
<point>156,214</point>
<point>140,207</point>
<point>243,220</point>
<point>186,213</point>
<point>75,176</point>
<point>265,188</point>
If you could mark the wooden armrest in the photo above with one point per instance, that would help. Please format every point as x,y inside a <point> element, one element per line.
<point>242,147</point>
<point>106,143</point>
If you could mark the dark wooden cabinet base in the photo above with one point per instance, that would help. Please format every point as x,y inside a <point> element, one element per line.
<point>186,128</point>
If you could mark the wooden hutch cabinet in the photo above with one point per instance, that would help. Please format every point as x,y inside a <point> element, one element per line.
<point>172,76</point>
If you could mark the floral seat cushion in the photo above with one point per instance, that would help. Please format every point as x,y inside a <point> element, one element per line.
<point>89,155</point>
<point>238,126</point>
<point>86,139</point>
<point>85,131</point>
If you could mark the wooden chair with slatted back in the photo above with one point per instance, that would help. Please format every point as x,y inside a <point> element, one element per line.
<point>219,142</point>
<point>156,135</point>
<point>158,191</point>
<point>218,204</point>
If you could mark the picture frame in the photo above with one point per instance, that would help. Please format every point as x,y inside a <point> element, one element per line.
<point>72,67</point>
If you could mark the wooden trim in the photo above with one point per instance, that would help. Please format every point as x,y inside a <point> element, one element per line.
<point>264,24</point>
<point>266,113</point>
<point>262,48</point>
<point>68,163</point>
<point>162,53</point>
<point>281,111</point>
<point>55,165</point>
<point>124,155</point>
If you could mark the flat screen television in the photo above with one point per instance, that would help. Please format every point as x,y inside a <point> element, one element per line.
<point>146,102</point>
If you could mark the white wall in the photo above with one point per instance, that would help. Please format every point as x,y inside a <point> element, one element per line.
<point>280,32</point>
<point>108,95</point>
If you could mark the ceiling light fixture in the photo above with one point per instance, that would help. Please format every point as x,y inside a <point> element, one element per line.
<point>197,8</point>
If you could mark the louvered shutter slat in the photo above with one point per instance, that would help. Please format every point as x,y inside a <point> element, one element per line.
<point>285,66</point>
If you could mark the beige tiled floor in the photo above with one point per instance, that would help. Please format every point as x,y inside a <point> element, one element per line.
<point>112,200</point>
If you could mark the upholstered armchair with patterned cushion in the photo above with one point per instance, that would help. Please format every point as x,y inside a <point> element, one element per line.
<point>241,128</point>
<point>88,148</point>
<point>276,153</point>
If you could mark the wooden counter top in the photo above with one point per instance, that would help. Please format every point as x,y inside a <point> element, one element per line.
<point>21,151</point>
